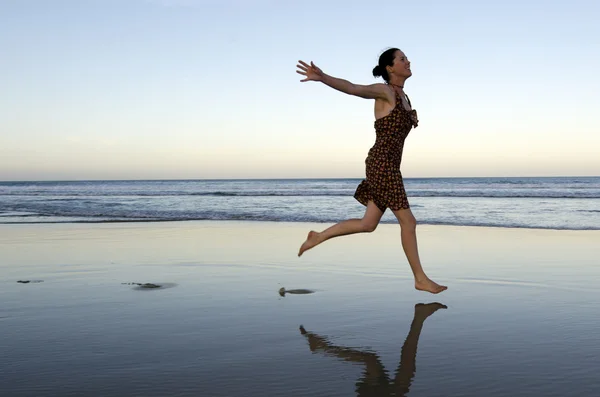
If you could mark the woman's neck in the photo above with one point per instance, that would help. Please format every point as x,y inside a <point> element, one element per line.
<point>397,83</point>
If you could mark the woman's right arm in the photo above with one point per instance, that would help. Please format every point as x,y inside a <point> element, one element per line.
<point>313,73</point>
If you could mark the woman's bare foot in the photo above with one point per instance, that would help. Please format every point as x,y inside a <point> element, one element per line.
<point>429,286</point>
<point>311,241</point>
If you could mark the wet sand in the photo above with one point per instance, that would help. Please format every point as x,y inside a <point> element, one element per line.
<point>518,317</point>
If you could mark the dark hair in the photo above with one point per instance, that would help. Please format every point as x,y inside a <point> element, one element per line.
<point>385,59</point>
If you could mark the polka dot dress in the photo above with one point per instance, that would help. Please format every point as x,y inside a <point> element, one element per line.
<point>383,184</point>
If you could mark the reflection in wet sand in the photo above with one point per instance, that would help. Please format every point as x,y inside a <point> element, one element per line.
<point>375,380</point>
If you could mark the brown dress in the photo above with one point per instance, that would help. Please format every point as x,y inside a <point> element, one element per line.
<point>383,184</point>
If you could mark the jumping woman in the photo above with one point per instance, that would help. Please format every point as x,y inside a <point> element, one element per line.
<point>383,187</point>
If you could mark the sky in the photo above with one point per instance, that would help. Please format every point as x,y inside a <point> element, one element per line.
<point>207,89</point>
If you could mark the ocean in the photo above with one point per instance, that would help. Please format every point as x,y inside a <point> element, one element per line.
<point>570,203</point>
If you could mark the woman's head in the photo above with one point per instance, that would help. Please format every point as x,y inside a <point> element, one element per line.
<point>392,62</point>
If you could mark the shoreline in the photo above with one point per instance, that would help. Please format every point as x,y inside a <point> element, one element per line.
<point>254,243</point>
<point>323,224</point>
<point>452,255</point>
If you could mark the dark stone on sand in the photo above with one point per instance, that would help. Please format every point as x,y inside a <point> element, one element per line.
<point>301,291</point>
<point>149,285</point>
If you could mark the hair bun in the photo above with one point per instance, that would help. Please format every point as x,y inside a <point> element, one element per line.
<point>377,71</point>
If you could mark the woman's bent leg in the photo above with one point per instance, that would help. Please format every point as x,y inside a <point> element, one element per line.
<point>367,224</point>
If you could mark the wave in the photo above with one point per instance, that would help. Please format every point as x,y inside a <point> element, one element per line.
<point>594,194</point>
<point>271,194</point>
<point>414,194</point>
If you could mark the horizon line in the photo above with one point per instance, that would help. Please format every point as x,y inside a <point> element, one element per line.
<point>286,178</point>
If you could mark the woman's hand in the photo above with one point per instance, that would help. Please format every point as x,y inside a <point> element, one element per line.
<point>312,72</point>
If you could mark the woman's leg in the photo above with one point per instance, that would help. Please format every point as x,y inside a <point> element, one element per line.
<point>408,234</point>
<point>367,224</point>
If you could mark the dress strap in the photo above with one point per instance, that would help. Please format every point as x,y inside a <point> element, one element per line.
<point>399,97</point>
<point>396,95</point>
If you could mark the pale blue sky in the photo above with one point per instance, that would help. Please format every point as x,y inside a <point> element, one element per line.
<point>207,88</point>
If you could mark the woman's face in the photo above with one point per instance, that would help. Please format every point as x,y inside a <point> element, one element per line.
<point>401,65</point>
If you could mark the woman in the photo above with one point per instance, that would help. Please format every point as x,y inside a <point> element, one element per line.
<point>383,187</point>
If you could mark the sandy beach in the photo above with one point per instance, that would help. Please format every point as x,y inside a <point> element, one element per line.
<point>517,318</point>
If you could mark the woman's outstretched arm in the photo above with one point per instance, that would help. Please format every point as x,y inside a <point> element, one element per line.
<point>313,73</point>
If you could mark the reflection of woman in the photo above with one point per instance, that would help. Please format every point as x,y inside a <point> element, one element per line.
<point>383,187</point>
<point>375,380</point>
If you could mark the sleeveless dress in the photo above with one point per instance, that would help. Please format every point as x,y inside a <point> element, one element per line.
<point>383,184</point>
